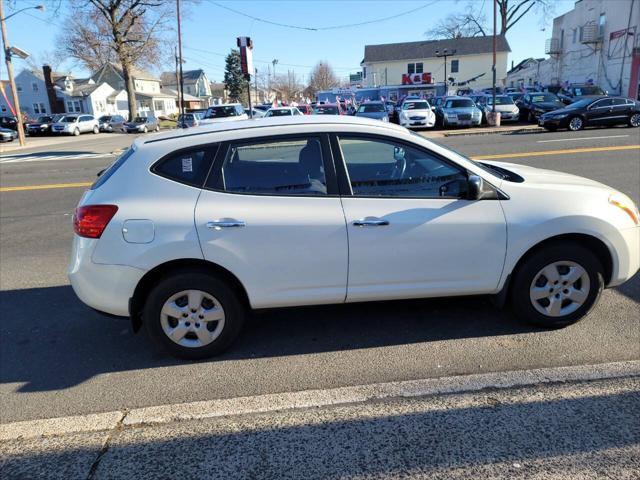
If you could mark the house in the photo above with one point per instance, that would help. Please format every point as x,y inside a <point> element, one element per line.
<point>598,41</point>
<point>32,92</point>
<point>416,67</point>
<point>219,92</point>
<point>6,100</point>
<point>151,98</point>
<point>196,84</point>
<point>529,72</point>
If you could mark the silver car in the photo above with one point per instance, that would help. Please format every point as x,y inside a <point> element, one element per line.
<point>142,125</point>
<point>509,112</point>
<point>458,111</point>
<point>374,110</point>
<point>75,124</point>
<point>111,123</point>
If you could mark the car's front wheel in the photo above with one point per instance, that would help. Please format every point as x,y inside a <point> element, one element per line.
<point>96,130</point>
<point>575,124</point>
<point>557,286</point>
<point>193,315</point>
<point>76,132</point>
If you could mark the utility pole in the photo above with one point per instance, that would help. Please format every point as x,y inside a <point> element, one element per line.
<point>181,100</point>
<point>445,53</point>
<point>275,80</point>
<point>493,68</point>
<point>255,84</point>
<point>12,82</point>
<point>177,73</point>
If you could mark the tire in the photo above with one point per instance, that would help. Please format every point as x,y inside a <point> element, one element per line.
<point>531,118</point>
<point>577,299</point>
<point>76,132</point>
<point>215,292</point>
<point>634,120</point>
<point>144,130</point>
<point>96,130</point>
<point>157,128</point>
<point>575,123</point>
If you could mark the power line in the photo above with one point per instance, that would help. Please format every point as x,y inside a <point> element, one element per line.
<point>316,29</point>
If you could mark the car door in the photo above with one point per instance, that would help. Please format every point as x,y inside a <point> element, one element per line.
<point>412,233</point>
<point>600,112</point>
<point>271,215</point>
<point>621,110</point>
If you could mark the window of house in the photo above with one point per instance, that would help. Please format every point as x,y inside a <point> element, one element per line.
<point>36,108</point>
<point>411,68</point>
<point>561,39</point>
<point>601,23</point>
<point>34,86</point>
<point>387,168</point>
<point>19,87</point>
<point>364,72</point>
<point>575,34</point>
<point>280,167</point>
<point>158,105</point>
<point>190,167</point>
<point>455,66</point>
<point>581,34</point>
<point>419,67</point>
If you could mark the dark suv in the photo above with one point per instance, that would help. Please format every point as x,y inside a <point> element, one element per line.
<point>577,91</point>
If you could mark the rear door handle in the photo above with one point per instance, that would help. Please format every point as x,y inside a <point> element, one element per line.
<point>370,222</point>
<point>227,223</point>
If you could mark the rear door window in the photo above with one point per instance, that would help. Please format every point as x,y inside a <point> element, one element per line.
<point>187,166</point>
<point>292,166</point>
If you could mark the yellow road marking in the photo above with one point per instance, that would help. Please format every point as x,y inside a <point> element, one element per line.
<point>44,187</point>
<point>557,152</point>
<point>480,157</point>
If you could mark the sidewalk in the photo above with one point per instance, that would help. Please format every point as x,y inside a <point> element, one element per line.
<point>43,141</point>
<point>453,132</point>
<point>568,422</point>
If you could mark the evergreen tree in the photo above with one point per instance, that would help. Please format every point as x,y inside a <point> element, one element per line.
<point>233,77</point>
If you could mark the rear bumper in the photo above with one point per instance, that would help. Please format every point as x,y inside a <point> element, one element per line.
<point>106,288</point>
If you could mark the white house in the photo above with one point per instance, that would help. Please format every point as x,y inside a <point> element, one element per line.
<point>598,41</point>
<point>196,84</point>
<point>151,99</point>
<point>529,72</point>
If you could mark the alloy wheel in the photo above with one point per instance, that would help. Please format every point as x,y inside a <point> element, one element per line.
<point>192,318</point>
<point>559,289</point>
<point>635,120</point>
<point>575,124</point>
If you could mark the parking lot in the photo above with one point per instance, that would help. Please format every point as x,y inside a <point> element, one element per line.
<point>59,357</point>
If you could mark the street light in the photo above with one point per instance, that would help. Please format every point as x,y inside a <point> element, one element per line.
<point>7,54</point>
<point>445,53</point>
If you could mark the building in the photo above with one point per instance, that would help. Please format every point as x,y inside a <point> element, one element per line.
<point>151,99</point>
<point>529,72</point>
<point>599,42</point>
<point>196,84</point>
<point>416,67</point>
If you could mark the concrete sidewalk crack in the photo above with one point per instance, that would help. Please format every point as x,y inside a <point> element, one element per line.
<point>105,446</point>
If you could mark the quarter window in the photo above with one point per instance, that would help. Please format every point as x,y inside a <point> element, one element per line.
<point>189,167</point>
<point>385,168</point>
<point>284,167</point>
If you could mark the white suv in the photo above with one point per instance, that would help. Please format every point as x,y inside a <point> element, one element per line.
<point>190,229</point>
<point>227,112</point>
<point>75,124</point>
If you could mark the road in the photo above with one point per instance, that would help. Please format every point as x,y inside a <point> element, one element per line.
<point>60,358</point>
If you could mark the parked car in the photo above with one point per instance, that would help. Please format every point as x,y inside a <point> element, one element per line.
<point>458,111</point>
<point>142,125</point>
<point>416,113</point>
<point>515,96</point>
<point>589,112</point>
<point>191,119</point>
<point>305,109</point>
<point>8,121</point>
<point>282,112</point>
<point>375,110</point>
<point>578,91</point>
<point>509,112</point>
<point>227,112</point>
<point>185,234</point>
<point>254,113</point>
<point>42,125</point>
<point>532,105</point>
<point>75,124</point>
<point>328,109</point>
<point>111,123</point>
<point>7,135</point>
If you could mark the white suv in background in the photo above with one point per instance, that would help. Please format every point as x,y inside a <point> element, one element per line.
<point>75,124</point>
<point>227,112</point>
<point>190,229</point>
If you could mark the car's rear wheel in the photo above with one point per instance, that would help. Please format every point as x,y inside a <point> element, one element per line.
<point>193,315</point>
<point>96,130</point>
<point>157,128</point>
<point>634,120</point>
<point>557,286</point>
<point>575,124</point>
<point>76,132</point>
<point>144,130</point>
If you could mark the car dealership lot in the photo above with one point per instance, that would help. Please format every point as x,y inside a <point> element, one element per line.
<point>59,357</point>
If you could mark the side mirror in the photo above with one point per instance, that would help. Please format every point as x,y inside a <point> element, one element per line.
<point>479,190</point>
<point>100,172</point>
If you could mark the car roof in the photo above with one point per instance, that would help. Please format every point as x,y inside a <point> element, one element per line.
<point>257,124</point>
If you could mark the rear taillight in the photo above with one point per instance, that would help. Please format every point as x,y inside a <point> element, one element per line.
<point>91,220</point>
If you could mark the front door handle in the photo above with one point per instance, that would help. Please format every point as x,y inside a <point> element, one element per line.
<point>226,223</point>
<point>370,222</point>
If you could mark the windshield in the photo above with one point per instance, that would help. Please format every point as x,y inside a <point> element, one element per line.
<point>371,108</point>
<point>43,119</point>
<point>278,113</point>
<point>68,119</point>
<point>140,120</point>
<point>325,110</point>
<point>461,103</point>
<point>104,119</point>
<point>221,112</point>
<point>187,117</point>
<point>502,100</point>
<point>589,90</point>
<point>544,97</point>
<point>415,106</point>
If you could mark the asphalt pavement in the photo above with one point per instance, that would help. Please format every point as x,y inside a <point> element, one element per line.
<point>59,358</point>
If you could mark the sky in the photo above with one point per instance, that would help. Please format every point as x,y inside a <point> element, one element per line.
<point>210,31</point>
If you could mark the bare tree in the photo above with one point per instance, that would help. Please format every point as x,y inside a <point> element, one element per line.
<point>127,32</point>
<point>511,12</point>
<point>322,77</point>
<point>469,23</point>
<point>48,57</point>
<point>288,86</point>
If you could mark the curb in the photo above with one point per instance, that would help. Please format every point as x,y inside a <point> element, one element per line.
<point>483,131</point>
<point>312,398</point>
